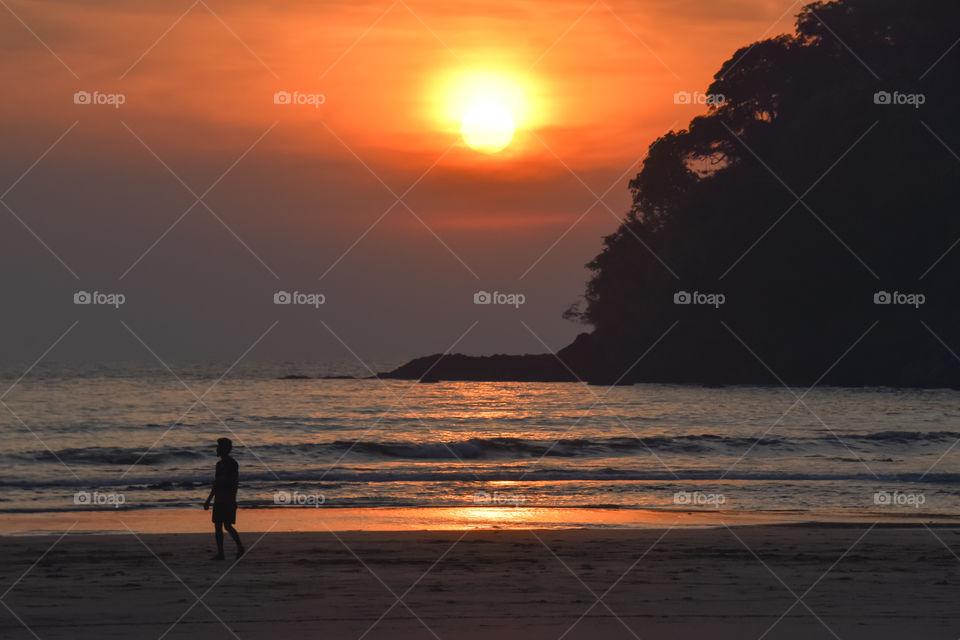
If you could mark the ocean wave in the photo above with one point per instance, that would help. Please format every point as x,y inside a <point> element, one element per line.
<point>907,437</point>
<point>112,455</point>
<point>494,448</point>
<point>327,477</point>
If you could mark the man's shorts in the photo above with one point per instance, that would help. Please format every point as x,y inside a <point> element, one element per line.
<point>225,512</point>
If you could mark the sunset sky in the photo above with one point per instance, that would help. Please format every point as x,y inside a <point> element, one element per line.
<point>588,87</point>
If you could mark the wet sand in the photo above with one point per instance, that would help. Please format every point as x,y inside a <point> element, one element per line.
<point>850,581</point>
<point>438,519</point>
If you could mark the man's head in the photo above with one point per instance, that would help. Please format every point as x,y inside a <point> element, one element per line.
<point>224,445</point>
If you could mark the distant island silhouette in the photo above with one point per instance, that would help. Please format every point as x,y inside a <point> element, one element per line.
<point>819,196</point>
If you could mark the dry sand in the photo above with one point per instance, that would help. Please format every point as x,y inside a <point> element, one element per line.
<point>852,581</point>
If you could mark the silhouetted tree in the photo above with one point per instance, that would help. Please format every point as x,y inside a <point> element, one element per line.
<point>715,210</point>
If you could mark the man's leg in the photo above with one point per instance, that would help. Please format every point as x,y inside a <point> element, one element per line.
<point>219,536</point>
<point>236,538</point>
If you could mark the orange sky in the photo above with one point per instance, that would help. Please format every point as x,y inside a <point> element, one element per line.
<point>597,81</point>
<point>598,77</point>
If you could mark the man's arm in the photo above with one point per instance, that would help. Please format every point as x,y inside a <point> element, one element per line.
<point>206,505</point>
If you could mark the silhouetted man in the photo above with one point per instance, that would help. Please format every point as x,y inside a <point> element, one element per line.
<point>224,496</point>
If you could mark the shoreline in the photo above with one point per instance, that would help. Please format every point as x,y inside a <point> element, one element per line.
<point>439,519</point>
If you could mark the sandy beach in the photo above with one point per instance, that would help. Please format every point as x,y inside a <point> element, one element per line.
<point>788,581</point>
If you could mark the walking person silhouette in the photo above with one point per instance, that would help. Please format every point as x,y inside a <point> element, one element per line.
<point>224,496</point>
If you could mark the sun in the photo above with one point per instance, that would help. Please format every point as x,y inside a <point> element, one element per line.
<point>487,127</point>
<point>486,108</point>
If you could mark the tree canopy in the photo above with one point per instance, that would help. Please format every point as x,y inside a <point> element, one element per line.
<point>828,175</point>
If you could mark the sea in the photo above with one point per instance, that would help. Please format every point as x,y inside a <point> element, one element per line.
<point>139,436</point>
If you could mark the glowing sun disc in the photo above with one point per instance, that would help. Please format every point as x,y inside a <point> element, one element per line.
<point>487,128</point>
